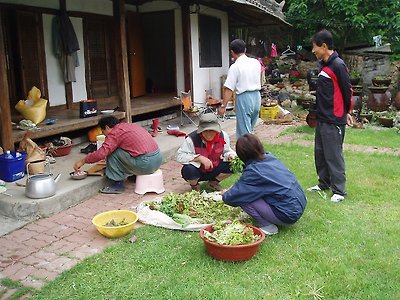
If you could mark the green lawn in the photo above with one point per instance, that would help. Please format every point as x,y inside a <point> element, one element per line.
<point>347,250</point>
<point>374,136</point>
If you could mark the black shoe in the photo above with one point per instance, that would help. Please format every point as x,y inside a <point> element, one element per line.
<point>132,178</point>
<point>89,148</point>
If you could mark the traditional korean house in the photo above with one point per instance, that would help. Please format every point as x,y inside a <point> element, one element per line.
<point>133,54</point>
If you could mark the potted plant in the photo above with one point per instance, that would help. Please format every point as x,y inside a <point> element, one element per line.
<point>357,90</point>
<point>283,67</point>
<point>305,101</point>
<point>275,77</point>
<point>365,113</point>
<point>386,118</point>
<point>381,81</point>
<point>355,77</point>
<point>294,75</point>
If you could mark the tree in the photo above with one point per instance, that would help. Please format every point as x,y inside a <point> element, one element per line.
<point>355,19</point>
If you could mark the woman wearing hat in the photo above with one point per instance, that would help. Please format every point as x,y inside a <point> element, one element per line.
<point>205,154</point>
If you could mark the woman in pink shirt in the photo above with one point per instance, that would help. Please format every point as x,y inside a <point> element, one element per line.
<point>129,150</point>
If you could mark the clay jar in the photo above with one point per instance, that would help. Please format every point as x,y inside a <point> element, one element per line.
<point>396,101</point>
<point>355,80</point>
<point>357,99</point>
<point>378,100</point>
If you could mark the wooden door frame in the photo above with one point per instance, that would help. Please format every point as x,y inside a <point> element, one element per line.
<point>41,54</point>
<point>122,57</point>
<point>5,111</point>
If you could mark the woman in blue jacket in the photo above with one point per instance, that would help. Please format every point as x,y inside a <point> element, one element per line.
<point>267,190</point>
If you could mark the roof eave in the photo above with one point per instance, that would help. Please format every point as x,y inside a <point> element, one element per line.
<point>255,9</point>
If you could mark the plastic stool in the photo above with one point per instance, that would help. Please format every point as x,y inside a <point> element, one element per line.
<point>150,183</point>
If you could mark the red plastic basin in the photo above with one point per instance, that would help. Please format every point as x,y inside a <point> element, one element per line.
<point>232,253</point>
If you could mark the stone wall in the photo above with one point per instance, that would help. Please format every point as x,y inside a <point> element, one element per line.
<point>370,65</point>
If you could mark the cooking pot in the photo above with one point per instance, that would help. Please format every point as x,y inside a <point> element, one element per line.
<point>40,185</point>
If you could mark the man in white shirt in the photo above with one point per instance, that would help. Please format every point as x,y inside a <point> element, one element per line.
<point>244,78</point>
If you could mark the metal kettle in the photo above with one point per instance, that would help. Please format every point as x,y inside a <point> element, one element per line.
<point>40,185</point>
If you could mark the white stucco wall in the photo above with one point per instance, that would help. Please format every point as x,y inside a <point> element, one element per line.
<point>79,87</point>
<point>55,80</point>
<point>208,78</point>
<point>180,79</point>
<point>101,7</point>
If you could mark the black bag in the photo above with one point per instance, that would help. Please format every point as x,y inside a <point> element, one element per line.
<point>87,108</point>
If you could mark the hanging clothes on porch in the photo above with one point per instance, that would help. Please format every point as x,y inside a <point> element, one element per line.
<point>65,45</point>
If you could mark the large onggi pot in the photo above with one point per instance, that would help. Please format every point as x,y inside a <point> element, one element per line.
<point>40,185</point>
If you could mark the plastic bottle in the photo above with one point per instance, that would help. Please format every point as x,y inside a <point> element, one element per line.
<point>8,155</point>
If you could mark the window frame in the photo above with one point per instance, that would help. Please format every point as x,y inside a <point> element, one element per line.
<point>210,34</point>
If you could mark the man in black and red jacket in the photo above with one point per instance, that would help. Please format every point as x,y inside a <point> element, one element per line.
<point>334,101</point>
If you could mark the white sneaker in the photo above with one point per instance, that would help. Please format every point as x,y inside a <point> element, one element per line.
<point>314,188</point>
<point>337,198</point>
<point>270,229</point>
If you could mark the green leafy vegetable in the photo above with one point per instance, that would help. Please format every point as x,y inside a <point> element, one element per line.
<point>113,223</point>
<point>236,165</point>
<point>232,234</point>
<point>195,208</point>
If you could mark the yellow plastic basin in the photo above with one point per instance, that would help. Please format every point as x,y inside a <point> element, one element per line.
<point>118,216</point>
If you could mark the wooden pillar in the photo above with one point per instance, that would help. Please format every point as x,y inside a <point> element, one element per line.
<point>187,47</point>
<point>122,57</point>
<point>6,138</point>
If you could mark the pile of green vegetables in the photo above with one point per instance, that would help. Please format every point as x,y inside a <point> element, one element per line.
<point>231,233</point>
<point>195,208</point>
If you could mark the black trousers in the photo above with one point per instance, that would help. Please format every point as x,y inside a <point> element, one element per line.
<point>328,155</point>
<point>190,172</point>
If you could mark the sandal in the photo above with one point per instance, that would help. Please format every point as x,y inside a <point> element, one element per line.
<point>195,187</point>
<point>112,190</point>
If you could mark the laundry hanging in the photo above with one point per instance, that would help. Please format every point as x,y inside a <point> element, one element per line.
<point>65,45</point>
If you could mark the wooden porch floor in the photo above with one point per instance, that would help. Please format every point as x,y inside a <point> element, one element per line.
<point>68,119</point>
<point>153,102</point>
